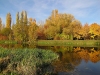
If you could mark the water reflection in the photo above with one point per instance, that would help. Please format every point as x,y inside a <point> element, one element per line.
<point>76,60</point>
<point>70,59</point>
<point>87,54</point>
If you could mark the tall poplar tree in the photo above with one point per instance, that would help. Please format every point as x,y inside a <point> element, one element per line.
<point>8,20</point>
<point>17,18</point>
<point>17,29</point>
<point>20,29</point>
<point>0,24</point>
<point>25,18</point>
<point>25,25</point>
<point>7,30</point>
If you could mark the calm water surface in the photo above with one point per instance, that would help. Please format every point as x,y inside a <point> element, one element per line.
<point>72,60</point>
<point>76,60</point>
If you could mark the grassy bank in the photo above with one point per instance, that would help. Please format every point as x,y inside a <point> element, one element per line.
<point>68,42</point>
<point>25,61</point>
<point>8,42</point>
<point>59,42</point>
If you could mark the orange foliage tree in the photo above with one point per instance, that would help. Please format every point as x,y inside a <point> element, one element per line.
<point>84,32</point>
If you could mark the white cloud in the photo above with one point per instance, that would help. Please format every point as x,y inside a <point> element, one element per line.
<point>82,9</point>
<point>77,6</point>
<point>41,9</point>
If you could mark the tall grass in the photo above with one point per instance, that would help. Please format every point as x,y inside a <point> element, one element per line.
<point>25,61</point>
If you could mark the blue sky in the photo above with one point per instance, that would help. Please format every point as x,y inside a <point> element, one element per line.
<point>86,11</point>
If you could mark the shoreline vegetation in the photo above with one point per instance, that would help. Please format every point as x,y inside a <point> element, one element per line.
<point>26,61</point>
<point>69,43</point>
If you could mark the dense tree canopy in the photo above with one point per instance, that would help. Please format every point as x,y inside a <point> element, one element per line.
<point>32,31</point>
<point>58,26</point>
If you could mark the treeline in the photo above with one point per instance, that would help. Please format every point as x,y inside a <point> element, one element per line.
<point>58,26</point>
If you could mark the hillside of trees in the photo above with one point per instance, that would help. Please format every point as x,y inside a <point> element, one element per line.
<point>58,26</point>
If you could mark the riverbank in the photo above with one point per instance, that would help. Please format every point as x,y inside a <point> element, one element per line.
<point>80,43</point>
<point>68,43</point>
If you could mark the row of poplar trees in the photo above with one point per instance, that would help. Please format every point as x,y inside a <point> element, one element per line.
<point>22,31</point>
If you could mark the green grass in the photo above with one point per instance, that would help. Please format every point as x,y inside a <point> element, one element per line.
<point>8,42</point>
<point>25,61</point>
<point>58,42</point>
<point>68,43</point>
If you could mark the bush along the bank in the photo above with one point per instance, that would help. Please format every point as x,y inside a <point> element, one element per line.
<point>26,61</point>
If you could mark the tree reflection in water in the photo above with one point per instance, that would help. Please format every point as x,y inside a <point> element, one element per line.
<point>69,59</point>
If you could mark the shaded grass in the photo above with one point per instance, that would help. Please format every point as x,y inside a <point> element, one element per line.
<point>68,43</point>
<point>25,61</point>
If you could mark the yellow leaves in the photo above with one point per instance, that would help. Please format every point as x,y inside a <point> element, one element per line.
<point>77,49</point>
<point>88,54</point>
<point>76,27</point>
<point>95,29</point>
<point>32,21</point>
<point>85,30</point>
<point>91,31</point>
<point>84,54</point>
<point>94,56</point>
<point>32,31</point>
<point>50,32</point>
<point>8,20</point>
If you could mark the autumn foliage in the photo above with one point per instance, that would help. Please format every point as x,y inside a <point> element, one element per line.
<point>58,26</point>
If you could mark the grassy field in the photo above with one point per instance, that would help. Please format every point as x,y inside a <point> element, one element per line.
<point>25,61</point>
<point>68,42</point>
